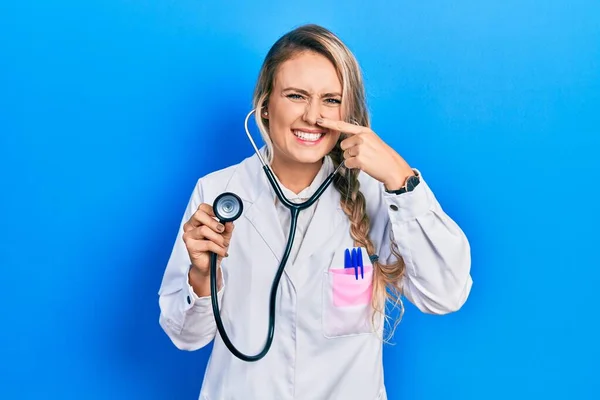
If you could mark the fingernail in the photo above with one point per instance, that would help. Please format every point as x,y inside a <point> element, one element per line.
<point>226,254</point>
<point>226,244</point>
<point>319,120</point>
<point>220,228</point>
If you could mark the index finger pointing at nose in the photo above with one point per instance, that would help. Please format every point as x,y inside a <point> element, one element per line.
<point>340,126</point>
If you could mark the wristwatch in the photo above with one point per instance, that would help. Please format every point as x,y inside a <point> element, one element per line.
<point>411,183</point>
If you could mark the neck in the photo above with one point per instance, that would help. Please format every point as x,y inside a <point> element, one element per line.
<point>295,176</point>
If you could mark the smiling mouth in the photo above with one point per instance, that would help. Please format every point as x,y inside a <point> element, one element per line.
<point>308,136</point>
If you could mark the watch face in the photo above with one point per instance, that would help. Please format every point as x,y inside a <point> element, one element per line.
<point>412,182</point>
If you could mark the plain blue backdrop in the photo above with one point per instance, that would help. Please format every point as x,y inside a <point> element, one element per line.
<point>110,111</point>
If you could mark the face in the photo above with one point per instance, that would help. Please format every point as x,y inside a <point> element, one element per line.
<point>306,87</point>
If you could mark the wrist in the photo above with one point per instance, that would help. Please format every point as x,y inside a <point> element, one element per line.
<point>200,281</point>
<point>398,179</point>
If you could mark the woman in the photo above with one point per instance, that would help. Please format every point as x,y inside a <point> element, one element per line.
<point>329,321</point>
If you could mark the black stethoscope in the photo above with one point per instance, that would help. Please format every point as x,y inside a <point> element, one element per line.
<point>228,207</point>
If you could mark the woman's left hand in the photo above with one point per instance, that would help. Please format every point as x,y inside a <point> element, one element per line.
<point>366,151</point>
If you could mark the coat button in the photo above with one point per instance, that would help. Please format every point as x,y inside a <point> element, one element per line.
<point>189,300</point>
<point>394,207</point>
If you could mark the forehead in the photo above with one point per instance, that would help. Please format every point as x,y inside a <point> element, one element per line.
<point>309,71</point>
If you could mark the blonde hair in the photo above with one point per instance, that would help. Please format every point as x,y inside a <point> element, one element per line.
<point>314,38</point>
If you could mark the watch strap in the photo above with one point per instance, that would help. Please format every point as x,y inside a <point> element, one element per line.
<point>409,185</point>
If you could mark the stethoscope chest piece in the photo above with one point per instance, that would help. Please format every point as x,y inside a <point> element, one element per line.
<point>228,207</point>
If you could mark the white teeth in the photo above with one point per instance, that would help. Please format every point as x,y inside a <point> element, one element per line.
<point>311,137</point>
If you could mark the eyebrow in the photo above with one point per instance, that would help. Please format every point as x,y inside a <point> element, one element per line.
<point>307,94</point>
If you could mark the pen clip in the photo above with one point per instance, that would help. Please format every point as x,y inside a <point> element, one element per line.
<point>360,264</point>
<point>355,263</point>
<point>347,259</point>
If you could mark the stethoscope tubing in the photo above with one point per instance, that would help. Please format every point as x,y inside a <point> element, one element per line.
<point>295,209</point>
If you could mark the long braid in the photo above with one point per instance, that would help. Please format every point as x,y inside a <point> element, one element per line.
<point>386,277</point>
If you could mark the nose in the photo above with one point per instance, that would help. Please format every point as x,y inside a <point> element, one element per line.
<point>312,112</point>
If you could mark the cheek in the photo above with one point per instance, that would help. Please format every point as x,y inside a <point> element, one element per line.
<point>335,137</point>
<point>334,113</point>
<point>284,115</point>
<point>279,126</point>
<point>274,122</point>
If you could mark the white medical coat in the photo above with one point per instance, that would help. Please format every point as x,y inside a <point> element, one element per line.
<point>324,345</point>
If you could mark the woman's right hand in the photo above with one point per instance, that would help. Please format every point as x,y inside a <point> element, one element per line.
<point>203,234</point>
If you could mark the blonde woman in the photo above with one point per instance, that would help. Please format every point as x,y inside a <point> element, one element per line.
<point>379,214</point>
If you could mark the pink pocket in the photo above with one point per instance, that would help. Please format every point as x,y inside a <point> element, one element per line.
<point>348,291</point>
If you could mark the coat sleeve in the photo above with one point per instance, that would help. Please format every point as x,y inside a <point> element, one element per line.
<point>435,250</point>
<point>186,318</point>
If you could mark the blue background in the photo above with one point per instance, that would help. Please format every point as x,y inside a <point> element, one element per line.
<point>110,110</point>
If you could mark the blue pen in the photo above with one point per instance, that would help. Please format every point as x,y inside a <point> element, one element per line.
<point>347,260</point>
<point>360,264</point>
<point>355,263</point>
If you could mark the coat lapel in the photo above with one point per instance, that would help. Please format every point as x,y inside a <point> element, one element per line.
<point>263,217</point>
<point>260,211</point>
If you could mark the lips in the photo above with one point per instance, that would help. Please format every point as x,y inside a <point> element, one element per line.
<point>308,135</point>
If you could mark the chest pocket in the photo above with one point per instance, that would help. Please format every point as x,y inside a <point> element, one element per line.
<point>347,309</point>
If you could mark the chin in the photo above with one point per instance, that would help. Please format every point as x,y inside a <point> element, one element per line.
<point>308,158</point>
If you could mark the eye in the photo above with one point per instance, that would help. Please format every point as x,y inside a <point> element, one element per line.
<point>295,96</point>
<point>333,101</point>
